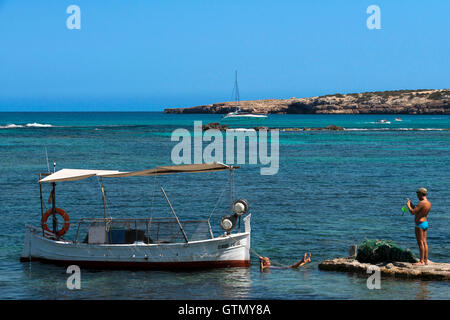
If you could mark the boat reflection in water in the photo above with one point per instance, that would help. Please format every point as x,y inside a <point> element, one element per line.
<point>48,281</point>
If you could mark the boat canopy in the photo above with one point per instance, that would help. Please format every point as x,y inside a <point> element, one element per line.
<point>79,174</point>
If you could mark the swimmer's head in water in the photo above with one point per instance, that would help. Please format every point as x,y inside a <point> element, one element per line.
<point>422,192</point>
<point>266,261</point>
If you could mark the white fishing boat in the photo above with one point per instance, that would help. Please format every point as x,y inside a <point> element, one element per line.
<point>139,243</point>
<point>238,115</point>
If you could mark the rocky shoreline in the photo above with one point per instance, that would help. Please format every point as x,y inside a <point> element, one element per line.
<point>380,102</point>
<point>332,127</point>
<point>405,270</point>
<point>224,127</point>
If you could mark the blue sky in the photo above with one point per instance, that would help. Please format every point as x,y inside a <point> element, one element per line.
<point>148,55</point>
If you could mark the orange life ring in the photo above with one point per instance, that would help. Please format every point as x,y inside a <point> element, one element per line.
<point>63,214</point>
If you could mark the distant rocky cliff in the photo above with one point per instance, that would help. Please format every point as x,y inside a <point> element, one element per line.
<point>381,102</point>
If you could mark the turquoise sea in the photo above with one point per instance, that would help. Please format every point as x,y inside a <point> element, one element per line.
<point>333,189</point>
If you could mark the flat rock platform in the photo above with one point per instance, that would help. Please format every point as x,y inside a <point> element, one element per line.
<point>432,271</point>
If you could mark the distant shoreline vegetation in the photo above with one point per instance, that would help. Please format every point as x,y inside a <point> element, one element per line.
<point>418,101</point>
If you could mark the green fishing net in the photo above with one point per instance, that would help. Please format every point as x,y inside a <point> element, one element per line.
<point>377,251</point>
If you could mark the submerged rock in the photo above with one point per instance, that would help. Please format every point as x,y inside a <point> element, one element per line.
<point>224,127</point>
<point>261,128</point>
<point>330,127</point>
<point>215,125</point>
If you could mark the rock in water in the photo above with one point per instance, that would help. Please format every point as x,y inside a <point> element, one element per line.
<point>215,125</point>
<point>406,270</point>
<point>333,127</point>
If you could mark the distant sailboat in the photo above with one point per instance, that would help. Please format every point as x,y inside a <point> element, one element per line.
<point>238,115</point>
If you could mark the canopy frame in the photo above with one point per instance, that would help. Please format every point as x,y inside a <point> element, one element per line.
<point>80,174</point>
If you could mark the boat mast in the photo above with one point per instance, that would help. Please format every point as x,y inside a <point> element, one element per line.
<point>236,92</point>
<point>42,199</point>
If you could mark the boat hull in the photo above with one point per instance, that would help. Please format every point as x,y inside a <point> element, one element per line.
<point>243,119</point>
<point>130,265</point>
<point>220,252</point>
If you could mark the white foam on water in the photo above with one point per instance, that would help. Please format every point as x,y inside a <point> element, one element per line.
<point>11,126</point>
<point>38,125</point>
<point>28,125</point>
<point>394,129</point>
<point>356,129</point>
<point>241,130</point>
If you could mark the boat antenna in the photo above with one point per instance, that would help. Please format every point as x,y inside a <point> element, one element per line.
<point>46,156</point>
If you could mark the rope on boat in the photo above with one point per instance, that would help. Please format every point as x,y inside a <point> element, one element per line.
<point>217,203</point>
<point>108,222</point>
<point>259,256</point>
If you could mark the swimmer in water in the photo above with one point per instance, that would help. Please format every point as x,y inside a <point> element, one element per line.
<point>264,263</point>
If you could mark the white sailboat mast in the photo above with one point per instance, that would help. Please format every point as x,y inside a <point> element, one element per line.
<point>236,92</point>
